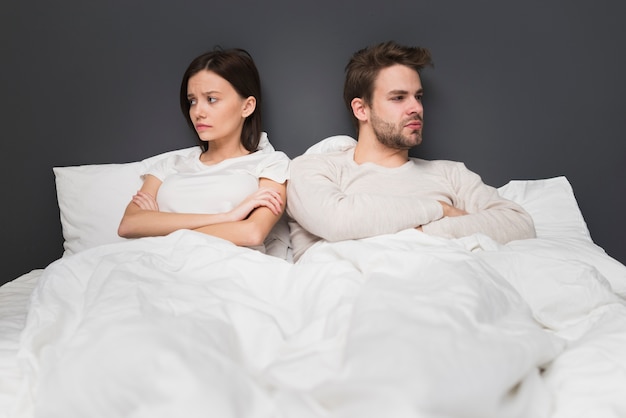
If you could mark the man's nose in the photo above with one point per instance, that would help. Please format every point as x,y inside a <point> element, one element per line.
<point>416,106</point>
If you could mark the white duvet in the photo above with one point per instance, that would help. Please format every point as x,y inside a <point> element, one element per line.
<point>402,325</point>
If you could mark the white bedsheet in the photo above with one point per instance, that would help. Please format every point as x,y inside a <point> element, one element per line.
<point>402,325</point>
<point>13,306</point>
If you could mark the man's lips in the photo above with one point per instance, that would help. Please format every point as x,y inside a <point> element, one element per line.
<point>414,125</point>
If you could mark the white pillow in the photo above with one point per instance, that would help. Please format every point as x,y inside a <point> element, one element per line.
<point>552,205</point>
<point>332,144</point>
<point>92,199</point>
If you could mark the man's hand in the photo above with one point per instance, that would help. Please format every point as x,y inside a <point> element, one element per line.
<point>450,211</point>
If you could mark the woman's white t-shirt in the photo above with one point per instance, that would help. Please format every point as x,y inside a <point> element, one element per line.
<point>189,186</point>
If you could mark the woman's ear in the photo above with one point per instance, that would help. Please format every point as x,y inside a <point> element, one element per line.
<point>249,106</point>
<point>359,109</point>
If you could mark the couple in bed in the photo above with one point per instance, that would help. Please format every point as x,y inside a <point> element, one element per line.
<point>235,186</point>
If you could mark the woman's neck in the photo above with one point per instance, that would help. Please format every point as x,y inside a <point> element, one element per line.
<point>218,151</point>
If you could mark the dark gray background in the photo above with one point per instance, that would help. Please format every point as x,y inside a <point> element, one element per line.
<point>520,90</point>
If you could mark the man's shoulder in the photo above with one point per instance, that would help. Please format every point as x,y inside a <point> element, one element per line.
<point>333,156</point>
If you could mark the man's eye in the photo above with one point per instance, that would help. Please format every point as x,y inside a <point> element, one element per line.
<point>419,97</point>
<point>397,98</point>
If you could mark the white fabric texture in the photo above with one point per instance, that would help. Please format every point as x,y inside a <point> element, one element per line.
<point>92,198</point>
<point>398,325</point>
<point>14,297</point>
<point>561,228</point>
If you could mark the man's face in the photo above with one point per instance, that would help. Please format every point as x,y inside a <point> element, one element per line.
<point>396,112</point>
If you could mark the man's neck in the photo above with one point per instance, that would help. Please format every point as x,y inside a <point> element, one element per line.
<point>370,150</point>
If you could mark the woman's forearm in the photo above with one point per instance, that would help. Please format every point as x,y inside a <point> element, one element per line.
<point>138,223</point>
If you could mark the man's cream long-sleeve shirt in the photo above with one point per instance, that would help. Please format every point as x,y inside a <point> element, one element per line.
<point>331,197</point>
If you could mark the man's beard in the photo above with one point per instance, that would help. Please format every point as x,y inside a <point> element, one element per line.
<point>391,136</point>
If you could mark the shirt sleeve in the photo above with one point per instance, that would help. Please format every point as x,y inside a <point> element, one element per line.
<point>274,167</point>
<point>316,201</point>
<point>162,168</point>
<point>488,212</point>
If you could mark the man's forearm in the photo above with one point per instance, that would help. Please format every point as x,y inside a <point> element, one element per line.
<point>338,218</point>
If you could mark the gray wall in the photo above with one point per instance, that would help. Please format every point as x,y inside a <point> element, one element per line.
<point>522,90</point>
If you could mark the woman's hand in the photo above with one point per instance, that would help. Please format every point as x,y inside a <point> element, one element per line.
<point>145,201</point>
<point>263,197</point>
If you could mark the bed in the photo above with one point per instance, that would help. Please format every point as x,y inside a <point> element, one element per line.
<point>400,325</point>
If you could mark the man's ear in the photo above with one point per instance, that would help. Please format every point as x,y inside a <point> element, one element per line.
<point>249,106</point>
<point>359,109</point>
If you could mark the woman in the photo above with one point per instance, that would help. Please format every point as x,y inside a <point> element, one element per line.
<point>233,186</point>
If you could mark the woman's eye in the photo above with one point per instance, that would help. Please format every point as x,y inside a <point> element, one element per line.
<point>212,99</point>
<point>192,102</point>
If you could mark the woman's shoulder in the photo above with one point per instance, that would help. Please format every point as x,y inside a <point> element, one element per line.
<point>173,162</point>
<point>270,164</point>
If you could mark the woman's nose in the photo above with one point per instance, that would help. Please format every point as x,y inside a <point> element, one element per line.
<point>197,111</point>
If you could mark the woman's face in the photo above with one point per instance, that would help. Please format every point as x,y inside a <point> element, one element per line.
<point>215,108</point>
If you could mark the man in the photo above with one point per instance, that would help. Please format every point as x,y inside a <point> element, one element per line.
<point>375,188</point>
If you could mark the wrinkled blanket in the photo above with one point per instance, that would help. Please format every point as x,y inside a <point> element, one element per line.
<point>402,325</point>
